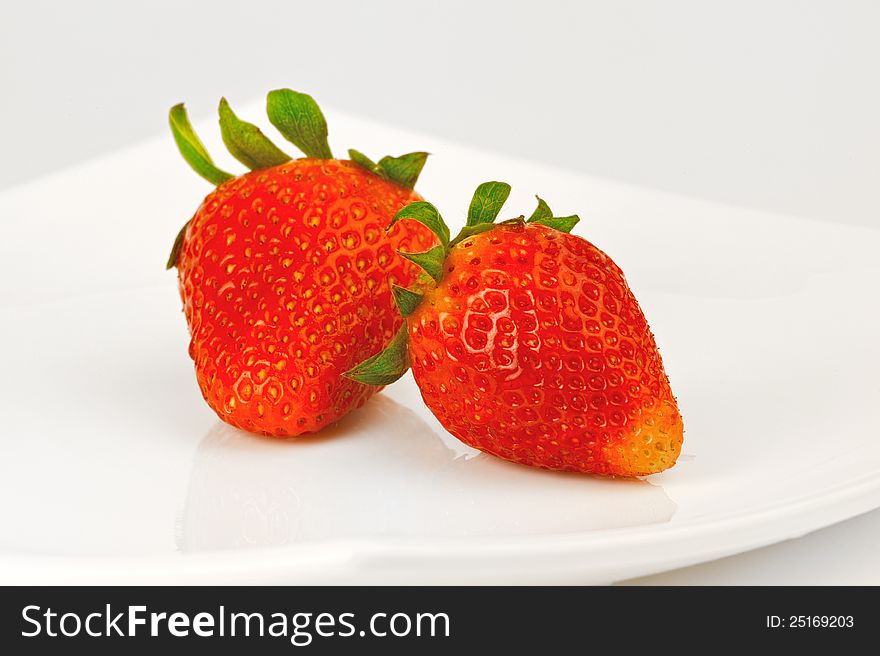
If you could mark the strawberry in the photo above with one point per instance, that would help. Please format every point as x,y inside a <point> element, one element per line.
<point>527,343</point>
<point>285,272</point>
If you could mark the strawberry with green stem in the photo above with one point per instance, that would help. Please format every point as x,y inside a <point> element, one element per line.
<point>527,343</point>
<point>286,271</point>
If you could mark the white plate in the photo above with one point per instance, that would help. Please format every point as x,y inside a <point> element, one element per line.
<point>112,469</point>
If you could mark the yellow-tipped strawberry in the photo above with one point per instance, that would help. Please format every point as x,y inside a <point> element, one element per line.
<point>527,343</point>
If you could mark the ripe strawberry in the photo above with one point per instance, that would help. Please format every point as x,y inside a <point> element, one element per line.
<point>529,345</point>
<point>285,272</point>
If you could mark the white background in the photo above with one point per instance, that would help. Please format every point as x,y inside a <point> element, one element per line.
<point>773,105</point>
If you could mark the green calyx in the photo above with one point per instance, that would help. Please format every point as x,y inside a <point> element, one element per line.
<point>299,120</point>
<point>426,214</point>
<point>246,142</point>
<point>384,367</point>
<point>389,365</point>
<point>298,117</point>
<point>176,248</point>
<point>487,202</point>
<point>407,300</point>
<point>544,216</point>
<point>431,261</point>
<point>403,171</point>
<point>191,147</point>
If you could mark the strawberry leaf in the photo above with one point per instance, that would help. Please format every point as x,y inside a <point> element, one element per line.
<point>175,248</point>
<point>298,117</point>
<point>246,142</point>
<point>470,231</point>
<point>407,301</point>
<point>560,223</point>
<point>191,147</point>
<point>363,161</point>
<point>431,261</point>
<point>542,211</point>
<point>544,216</point>
<point>487,202</point>
<point>384,367</point>
<point>428,216</point>
<point>403,170</point>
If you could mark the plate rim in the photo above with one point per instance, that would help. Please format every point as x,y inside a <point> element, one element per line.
<point>720,536</point>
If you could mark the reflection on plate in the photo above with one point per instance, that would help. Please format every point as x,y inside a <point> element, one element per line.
<point>383,472</point>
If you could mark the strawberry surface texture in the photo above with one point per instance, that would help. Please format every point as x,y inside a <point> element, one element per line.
<point>529,344</point>
<point>285,276</point>
<point>534,349</point>
<point>285,272</point>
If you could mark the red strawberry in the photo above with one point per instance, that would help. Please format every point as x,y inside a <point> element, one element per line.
<point>286,272</point>
<point>528,344</point>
